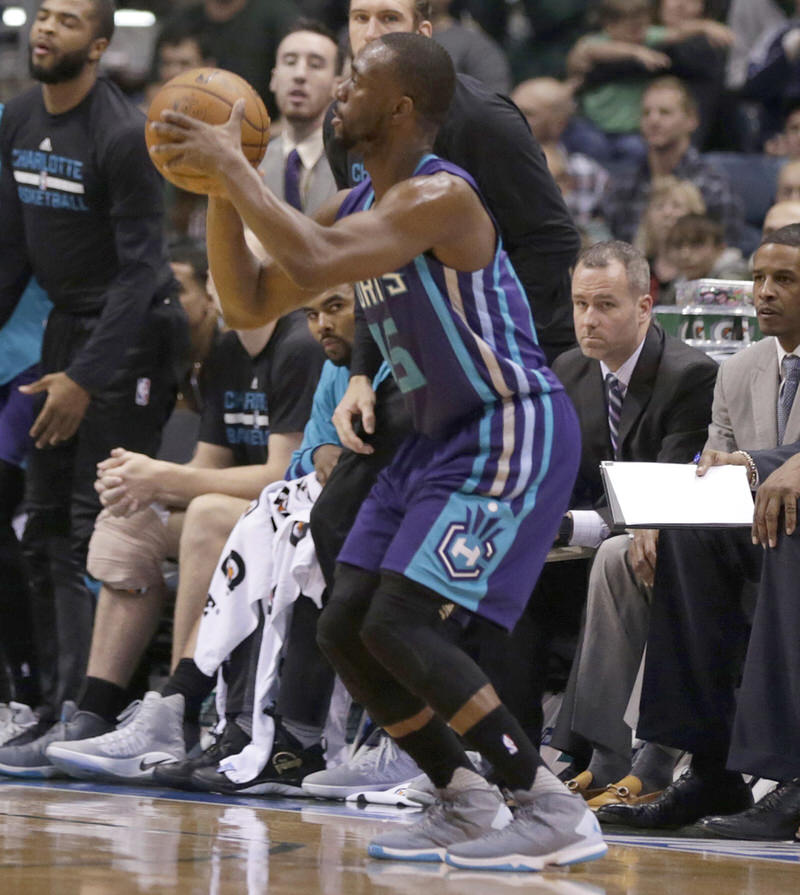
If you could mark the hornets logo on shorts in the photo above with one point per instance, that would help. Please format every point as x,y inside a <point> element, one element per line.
<point>467,546</point>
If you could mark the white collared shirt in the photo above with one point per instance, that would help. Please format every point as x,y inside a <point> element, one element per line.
<point>589,529</point>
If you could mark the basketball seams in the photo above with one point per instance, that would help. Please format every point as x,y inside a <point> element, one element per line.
<point>168,86</point>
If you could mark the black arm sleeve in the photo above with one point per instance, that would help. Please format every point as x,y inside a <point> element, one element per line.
<point>488,136</point>
<point>138,236</point>
<point>365,357</point>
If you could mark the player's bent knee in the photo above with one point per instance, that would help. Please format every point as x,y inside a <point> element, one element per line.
<point>126,553</point>
<point>342,617</point>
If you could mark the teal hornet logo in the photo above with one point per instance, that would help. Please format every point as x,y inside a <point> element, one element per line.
<point>468,546</point>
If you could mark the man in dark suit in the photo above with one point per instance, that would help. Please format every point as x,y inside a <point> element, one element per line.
<point>640,395</point>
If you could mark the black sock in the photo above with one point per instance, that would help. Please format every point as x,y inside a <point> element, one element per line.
<point>437,750</point>
<point>195,686</point>
<point>500,739</point>
<point>103,698</point>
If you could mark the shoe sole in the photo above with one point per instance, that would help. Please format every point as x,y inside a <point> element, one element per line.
<point>91,767</point>
<point>43,772</point>
<point>573,854</point>
<point>264,789</point>
<point>323,791</point>
<point>429,855</point>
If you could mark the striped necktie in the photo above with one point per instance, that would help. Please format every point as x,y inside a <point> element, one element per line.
<point>291,180</point>
<point>614,398</point>
<point>791,372</point>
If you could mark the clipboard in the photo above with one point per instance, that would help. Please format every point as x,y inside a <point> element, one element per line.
<point>671,495</point>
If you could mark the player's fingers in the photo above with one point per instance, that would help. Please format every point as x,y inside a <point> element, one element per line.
<point>367,410</point>
<point>33,388</point>
<point>771,517</point>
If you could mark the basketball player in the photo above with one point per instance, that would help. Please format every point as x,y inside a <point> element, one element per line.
<point>462,518</point>
<point>81,209</point>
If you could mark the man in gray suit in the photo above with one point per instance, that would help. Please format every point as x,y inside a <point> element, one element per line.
<point>307,66</point>
<point>698,628</point>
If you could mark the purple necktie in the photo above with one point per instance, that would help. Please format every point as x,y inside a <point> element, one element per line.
<point>291,180</point>
<point>614,397</point>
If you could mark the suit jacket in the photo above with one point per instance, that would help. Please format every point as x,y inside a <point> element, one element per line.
<point>665,414</point>
<point>745,411</point>
<point>321,185</point>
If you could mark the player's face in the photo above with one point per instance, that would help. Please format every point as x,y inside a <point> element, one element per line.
<point>62,40</point>
<point>776,292</point>
<point>665,120</point>
<point>781,215</point>
<point>304,76</point>
<point>193,296</point>
<point>363,101</point>
<point>332,323</point>
<point>372,18</point>
<point>609,321</point>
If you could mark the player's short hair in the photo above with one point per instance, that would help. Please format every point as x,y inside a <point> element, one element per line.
<point>104,18</point>
<point>670,82</point>
<point>316,27</point>
<point>176,32</point>
<point>425,71</point>
<point>694,229</point>
<point>602,254</point>
<point>785,236</point>
<point>423,11</point>
<point>187,250</point>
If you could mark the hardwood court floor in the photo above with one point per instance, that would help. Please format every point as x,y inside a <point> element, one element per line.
<point>83,839</point>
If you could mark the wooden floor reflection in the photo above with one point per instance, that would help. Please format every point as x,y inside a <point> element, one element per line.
<point>84,840</point>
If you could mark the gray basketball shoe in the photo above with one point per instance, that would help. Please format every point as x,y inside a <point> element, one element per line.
<point>553,828</point>
<point>149,736</point>
<point>30,760</point>
<point>468,808</point>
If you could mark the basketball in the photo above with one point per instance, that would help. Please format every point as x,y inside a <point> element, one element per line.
<point>208,94</point>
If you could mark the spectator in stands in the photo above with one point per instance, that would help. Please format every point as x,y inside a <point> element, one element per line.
<point>473,52</point>
<point>751,21</point>
<point>773,75</point>
<point>640,395</point>
<point>787,142</point>
<point>261,384</point>
<point>698,626</point>
<point>613,67</point>
<point>670,199</point>
<point>548,105</point>
<point>781,215</point>
<point>240,35</point>
<point>669,116</point>
<point>788,188</point>
<point>697,249</point>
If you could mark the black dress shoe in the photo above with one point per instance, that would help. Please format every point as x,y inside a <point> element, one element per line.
<point>683,802</point>
<point>775,817</point>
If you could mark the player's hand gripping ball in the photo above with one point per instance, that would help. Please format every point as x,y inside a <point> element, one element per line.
<point>207,94</point>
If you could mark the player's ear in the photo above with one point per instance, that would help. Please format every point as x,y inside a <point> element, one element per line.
<point>99,46</point>
<point>425,28</point>
<point>404,107</point>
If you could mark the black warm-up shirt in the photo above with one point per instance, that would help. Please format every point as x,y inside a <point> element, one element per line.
<point>81,209</point>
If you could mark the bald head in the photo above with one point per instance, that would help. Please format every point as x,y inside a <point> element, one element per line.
<point>781,215</point>
<point>547,104</point>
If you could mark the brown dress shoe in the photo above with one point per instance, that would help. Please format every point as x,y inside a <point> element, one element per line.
<point>582,785</point>
<point>627,792</point>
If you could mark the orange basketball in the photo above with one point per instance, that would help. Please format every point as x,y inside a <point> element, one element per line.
<point>209,94</point>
